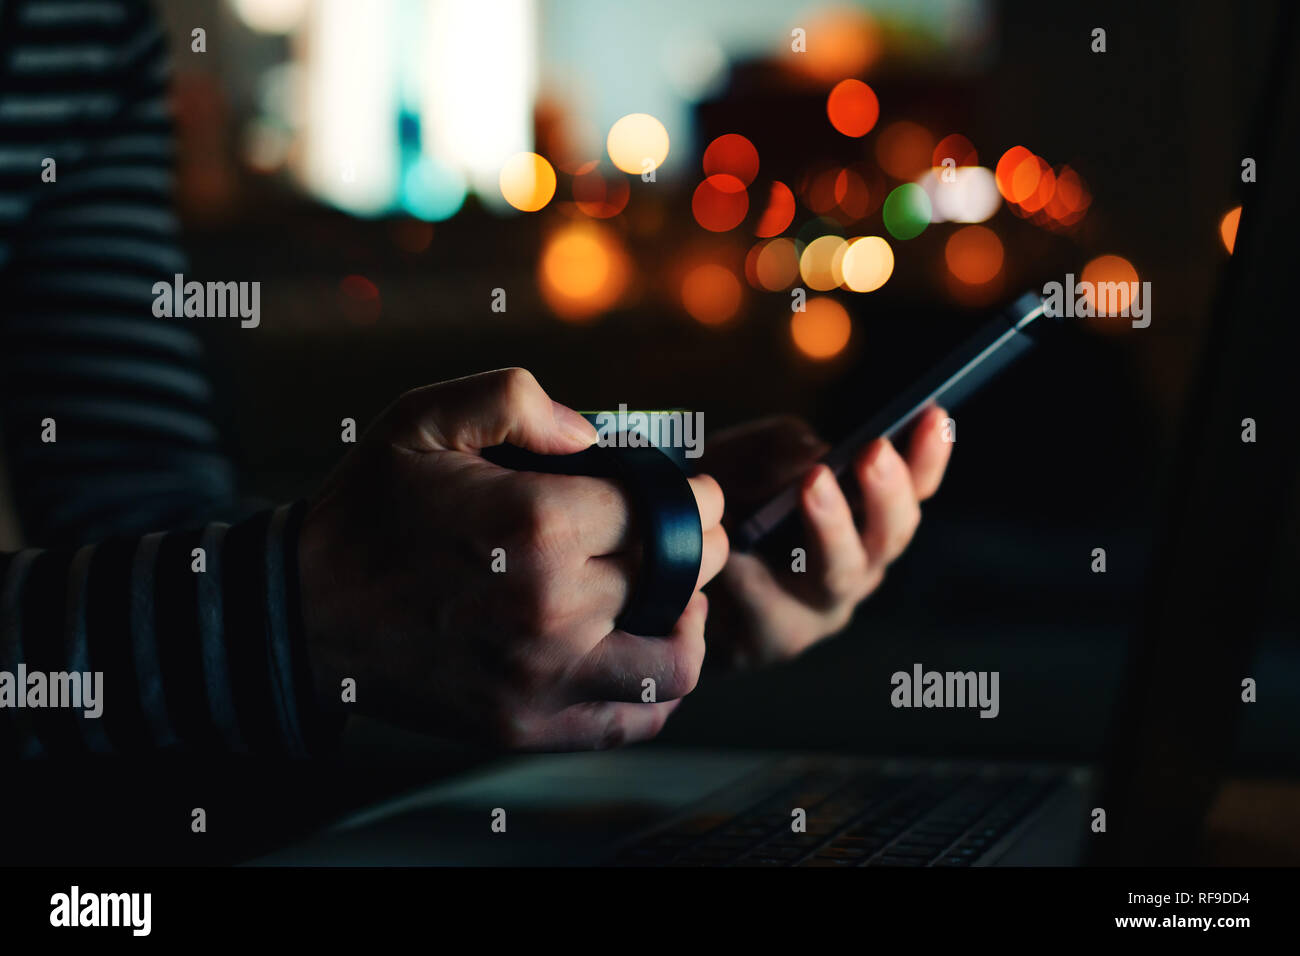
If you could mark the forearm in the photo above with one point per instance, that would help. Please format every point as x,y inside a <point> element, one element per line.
<point>193,639</point>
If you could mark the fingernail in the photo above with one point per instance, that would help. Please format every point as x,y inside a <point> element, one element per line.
<point>822,490</point>
<point>573,424</point>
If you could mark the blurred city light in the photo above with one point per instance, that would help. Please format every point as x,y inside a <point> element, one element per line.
<point>527,181</point>
<point>720,203</point>
<point>711,293</point>
<point>583,271</point>
<point>867,264</point>
<point>637,143</point>
<point>1104,270</point>
<point>822,330</point>
<point>852,107</point>
<point>1228,228</point>
<point>974,254</point>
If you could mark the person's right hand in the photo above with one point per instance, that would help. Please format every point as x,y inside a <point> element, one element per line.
<point>399,593</point>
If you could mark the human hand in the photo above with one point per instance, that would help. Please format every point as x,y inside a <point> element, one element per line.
<point>399,592</point>
<point>764,614</point>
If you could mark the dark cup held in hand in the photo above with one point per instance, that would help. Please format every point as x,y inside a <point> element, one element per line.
<point>666,517</point>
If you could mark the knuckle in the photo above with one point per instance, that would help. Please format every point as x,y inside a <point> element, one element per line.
<point>516,386</point>
<point>845,580</point>
<point>614,730</point>
<point>542,529</point>
<point>906,530</point>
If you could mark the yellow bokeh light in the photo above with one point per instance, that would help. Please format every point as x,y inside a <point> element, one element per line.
<point>527,181</point>
<point>867,264</point>
<point>822,330</point>
<point>777,266</point>
<point>638,143</point>
<point>819,264</point>
<point>583,271</point>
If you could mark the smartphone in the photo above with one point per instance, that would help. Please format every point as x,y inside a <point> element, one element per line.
<point>1013,332</point>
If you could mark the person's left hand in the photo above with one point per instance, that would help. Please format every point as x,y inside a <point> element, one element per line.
<point>768,614</point>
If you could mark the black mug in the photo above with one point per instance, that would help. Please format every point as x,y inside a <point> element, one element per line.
<point>646,453</point>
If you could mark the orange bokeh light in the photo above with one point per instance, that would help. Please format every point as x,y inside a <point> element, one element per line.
<point>847,42</point>
<point>853,108</point>
<point>1044,188</point>
<point>711,293</point>
<point>905,149</point>
<point>1109,269</point>
<point>851,196</point>
<point>734,155</point>
<point>779,213</point>
<point>1069,200</point>
<point>777,265</point>
<point>1014,185</point>
<point>583,271</point>
<point>974,254</point>
<point>597,195</point>
<point>1228,228</point>
<point>822,330</point>
<point>720,202</point>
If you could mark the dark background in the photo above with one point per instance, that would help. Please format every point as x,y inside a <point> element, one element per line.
<point>1065,453</point>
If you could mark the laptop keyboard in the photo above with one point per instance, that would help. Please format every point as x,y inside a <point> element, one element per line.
<point>855,818</point>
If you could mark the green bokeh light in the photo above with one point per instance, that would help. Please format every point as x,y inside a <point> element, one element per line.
<point>906,211</point>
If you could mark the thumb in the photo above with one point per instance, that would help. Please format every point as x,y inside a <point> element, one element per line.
<point>478,411</point>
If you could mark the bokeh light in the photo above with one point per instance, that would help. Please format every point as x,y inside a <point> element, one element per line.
<point>1228,228</point>
<point>637,143</point>
<point>1108,269</point>
<point>1017,174</point>
<point>906,211</point>
<point>527,181</point>
<point>822,330</point>
<point>852,199</point>
<point>974,254</point>
<point>1069,200</point>
<point>583,270</point>
<point>733,155</point>
<point>720,203</point>
<point>1044,189</point>
<point>846,41</point>
<point>971,196</point>
<point>867,264</point>
<point>956,148</point>
<point>904,149</point>
<point>270,16</point>
<point>597,195</point>
<point>777,265</point>
<point>853,108</point>
<point>433,190</point>
<point>359,300</point>
<point>711,293</point>
<point>779,213</point>
<point>819,264</point>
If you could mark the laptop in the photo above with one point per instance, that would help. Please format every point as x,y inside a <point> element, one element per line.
<point>1173,728</point>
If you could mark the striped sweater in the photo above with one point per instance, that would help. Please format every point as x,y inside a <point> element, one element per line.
<point>134,481</point>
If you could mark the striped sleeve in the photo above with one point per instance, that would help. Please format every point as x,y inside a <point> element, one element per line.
<point>188,638</point>
<point>144,568</point>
